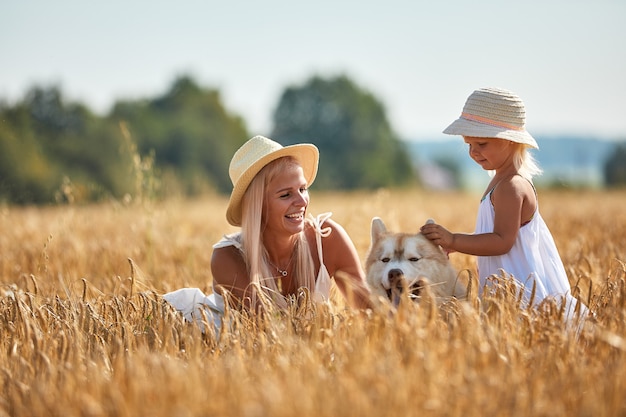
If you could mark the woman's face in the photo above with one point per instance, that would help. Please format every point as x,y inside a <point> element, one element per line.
<point>490,153</point>
<point>286,201</point>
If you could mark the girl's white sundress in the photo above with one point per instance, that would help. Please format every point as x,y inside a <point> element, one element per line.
<point>533,258</point>
<point>192,302</point>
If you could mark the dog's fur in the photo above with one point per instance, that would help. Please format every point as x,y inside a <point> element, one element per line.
<point>405,263</point>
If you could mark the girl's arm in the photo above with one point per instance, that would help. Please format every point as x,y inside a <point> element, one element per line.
<point>508,200</point>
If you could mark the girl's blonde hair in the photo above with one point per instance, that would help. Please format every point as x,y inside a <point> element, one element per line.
<point>524,161</point>
<point>262,274</point>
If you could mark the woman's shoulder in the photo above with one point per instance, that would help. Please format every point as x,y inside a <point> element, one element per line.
<point>228,269</point>
<point>226,255</point>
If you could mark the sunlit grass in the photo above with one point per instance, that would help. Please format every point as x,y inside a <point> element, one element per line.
<point>81,333</point>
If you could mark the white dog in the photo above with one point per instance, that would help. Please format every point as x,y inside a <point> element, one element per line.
<point>398,262</point>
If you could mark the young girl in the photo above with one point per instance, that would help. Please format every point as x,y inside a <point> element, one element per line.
<point>510,233</point>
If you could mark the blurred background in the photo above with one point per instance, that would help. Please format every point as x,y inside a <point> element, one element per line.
<point>132,100</point>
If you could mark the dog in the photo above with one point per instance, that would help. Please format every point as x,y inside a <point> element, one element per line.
<point>401,264</point>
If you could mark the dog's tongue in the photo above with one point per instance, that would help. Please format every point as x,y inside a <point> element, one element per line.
<point>396,295</point>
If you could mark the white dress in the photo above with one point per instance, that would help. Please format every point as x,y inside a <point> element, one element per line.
<point>193,303</point>
<point>533,258</point>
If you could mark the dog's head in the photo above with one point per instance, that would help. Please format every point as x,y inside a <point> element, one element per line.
<point>407,263</point>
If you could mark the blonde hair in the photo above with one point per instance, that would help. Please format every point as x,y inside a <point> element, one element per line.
<point>262,274</point>
<point>524,161</point>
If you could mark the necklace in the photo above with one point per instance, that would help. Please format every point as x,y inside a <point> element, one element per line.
<point>282,272</point>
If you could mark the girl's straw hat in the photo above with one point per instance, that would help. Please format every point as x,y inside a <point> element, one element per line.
<point>493,113</point>
<point>253,156</point>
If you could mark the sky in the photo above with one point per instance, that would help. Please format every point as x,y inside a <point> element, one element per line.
<point>566,59</point>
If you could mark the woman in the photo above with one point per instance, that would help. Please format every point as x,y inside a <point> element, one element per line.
<point>278,250</point>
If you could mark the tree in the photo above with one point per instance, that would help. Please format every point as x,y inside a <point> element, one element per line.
<point>615,166</point>
<point>358,148</point>
<point>46,143</point>
<point>26,176</point>
<point>190,132</point>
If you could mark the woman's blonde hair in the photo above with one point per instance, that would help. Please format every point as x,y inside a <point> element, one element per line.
<point>262,274</point>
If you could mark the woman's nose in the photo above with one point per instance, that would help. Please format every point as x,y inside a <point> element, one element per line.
<point>301,199</point>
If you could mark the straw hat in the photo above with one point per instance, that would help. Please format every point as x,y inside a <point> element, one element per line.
<point>253,156</point>
<point>493,113</point>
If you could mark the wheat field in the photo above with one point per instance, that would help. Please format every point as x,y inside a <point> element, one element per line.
<point>84,331</point>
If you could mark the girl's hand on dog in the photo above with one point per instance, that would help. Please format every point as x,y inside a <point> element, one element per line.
<point>439,235</point>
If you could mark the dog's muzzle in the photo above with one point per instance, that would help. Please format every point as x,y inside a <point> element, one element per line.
<point>398,285</point>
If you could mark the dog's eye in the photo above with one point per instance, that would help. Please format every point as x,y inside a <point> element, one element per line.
<point>414,259</point>
<point>385,260</point>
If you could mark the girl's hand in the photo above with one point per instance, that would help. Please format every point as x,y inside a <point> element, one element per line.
<point>439,235</point>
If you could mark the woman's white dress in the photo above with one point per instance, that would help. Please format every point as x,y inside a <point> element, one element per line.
<point>193,303</point>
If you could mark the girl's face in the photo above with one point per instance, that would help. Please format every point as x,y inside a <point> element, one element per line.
<point>490,153</point>
<point>286,201</point>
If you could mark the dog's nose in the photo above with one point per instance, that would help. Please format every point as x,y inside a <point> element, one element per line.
<point>394,275</point>
<point>396,278</point>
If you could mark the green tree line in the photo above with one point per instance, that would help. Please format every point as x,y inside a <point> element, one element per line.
<point>52,150</point>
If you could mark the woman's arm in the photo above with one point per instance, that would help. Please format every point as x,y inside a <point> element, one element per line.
<point>230,275</point>
<point>343,264</point>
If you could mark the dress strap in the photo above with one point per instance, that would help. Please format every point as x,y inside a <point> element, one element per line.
<point>322,283</point>
<point>320,232</point>
<point>230,240</point>
<point>488,193</point>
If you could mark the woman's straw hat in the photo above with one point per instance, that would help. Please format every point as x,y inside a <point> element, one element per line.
<point>253,156</point>
<point>493,113</point>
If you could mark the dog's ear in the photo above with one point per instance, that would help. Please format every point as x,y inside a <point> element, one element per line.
<point>378,228</point>
<point>429,221</point>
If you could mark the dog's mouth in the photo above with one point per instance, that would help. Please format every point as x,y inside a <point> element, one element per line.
<point>415,290</point>
<point>399,287</point>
